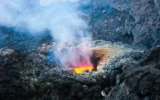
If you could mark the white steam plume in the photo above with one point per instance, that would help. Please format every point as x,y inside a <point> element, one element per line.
<point>61,17</point>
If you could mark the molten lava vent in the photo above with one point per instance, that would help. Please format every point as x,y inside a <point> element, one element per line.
<point>97,57</point>
<point>84,60</point>
<point>83,68</point>
<point>79,60</point>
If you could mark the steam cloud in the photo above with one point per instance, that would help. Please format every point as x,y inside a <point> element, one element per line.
<point>60,17</point>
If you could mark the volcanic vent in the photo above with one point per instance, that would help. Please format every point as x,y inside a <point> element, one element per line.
<point>83,59</point>
<point>95,59</point>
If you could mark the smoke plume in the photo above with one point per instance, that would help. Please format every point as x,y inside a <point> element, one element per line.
<point>60,17</point>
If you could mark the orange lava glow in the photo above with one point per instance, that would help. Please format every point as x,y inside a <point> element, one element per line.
<point>83,67</point>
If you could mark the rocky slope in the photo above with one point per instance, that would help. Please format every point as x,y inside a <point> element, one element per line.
<point>129,21</point>
<point>29,77</point>
<point>26,74</point>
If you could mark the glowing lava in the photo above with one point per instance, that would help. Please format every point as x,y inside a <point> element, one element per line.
<point>83,67</point>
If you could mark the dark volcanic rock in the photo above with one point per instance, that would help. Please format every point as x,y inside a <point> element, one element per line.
<point>22,41</point>
<point>139,81</point>
<point>29,77</point>
<point>18,74</point>
<point>152,56</point>
<point>127,21</point>
<point>26,75</point>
